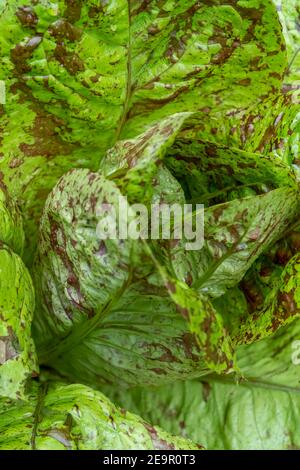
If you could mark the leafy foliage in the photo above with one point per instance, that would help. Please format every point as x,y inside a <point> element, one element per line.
<point>17,352</point>
<point>79,76</point>
<point>74,417</point>
<point>260,412</point>
<point>149,102</point>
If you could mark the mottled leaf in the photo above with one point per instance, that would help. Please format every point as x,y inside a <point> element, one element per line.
<point>81,310</point>
<point>270,126</point>
<point>236,233</point>
<point>17,352</point>
<point>260,413</point>
<point>210,172</point>
<point>81,75</point>
<point>289,15</point>
<point>11,225</point>
<point>87,286</point>
<point>100,301</point>
<point>205,323</point>
<point>281,306</point>
<point>136,165</point>
<point>75,417</point>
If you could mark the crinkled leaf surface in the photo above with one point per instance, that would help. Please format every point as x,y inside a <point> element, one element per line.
<point>272,127</point>
<point>281,305</point>
<point>76,210</point>
<point>89,289</point>
<point>80,75</point>
<point>268,296</point>
<point>75,417</point>
<point>268,127</point>
<point>236,233</point>
<point>204,322</point>
<point>261,412</point>
<point>92,292</point>
<point>105,296</point>
<point>210,172</point>
<point>135,165</point>
<point>17,352</point>
<point>11,225</point>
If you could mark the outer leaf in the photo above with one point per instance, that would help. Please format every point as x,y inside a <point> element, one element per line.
<point>11,226</point>
<point>71,417</point>
<point>272,127</point>
<point>81,75</point>
<point>69,242</point>
<point>289,14</point>
<point>17,354</point>
<point>262,412</point>
<point>101,300</point>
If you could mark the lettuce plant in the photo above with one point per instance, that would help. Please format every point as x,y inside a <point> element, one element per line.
<point>152,102</point>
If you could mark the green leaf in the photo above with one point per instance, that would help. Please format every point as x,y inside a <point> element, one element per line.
<point>289,15</point>
<point>92,292</point>
<point>150,102</point>
<point>75,417</point>
<point>236,233</point>
<point>99,301</point>
<point>11,225</point>
<point>260,412</point>
<point>87,287</point>
<point>17,352</point>
<point>268,296</point>
<point>210,172</point>
<point>281,306</point>
<point>80,76</point>
<point>135,165</point>
<point>205,323</point>
<point>270,126</point>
